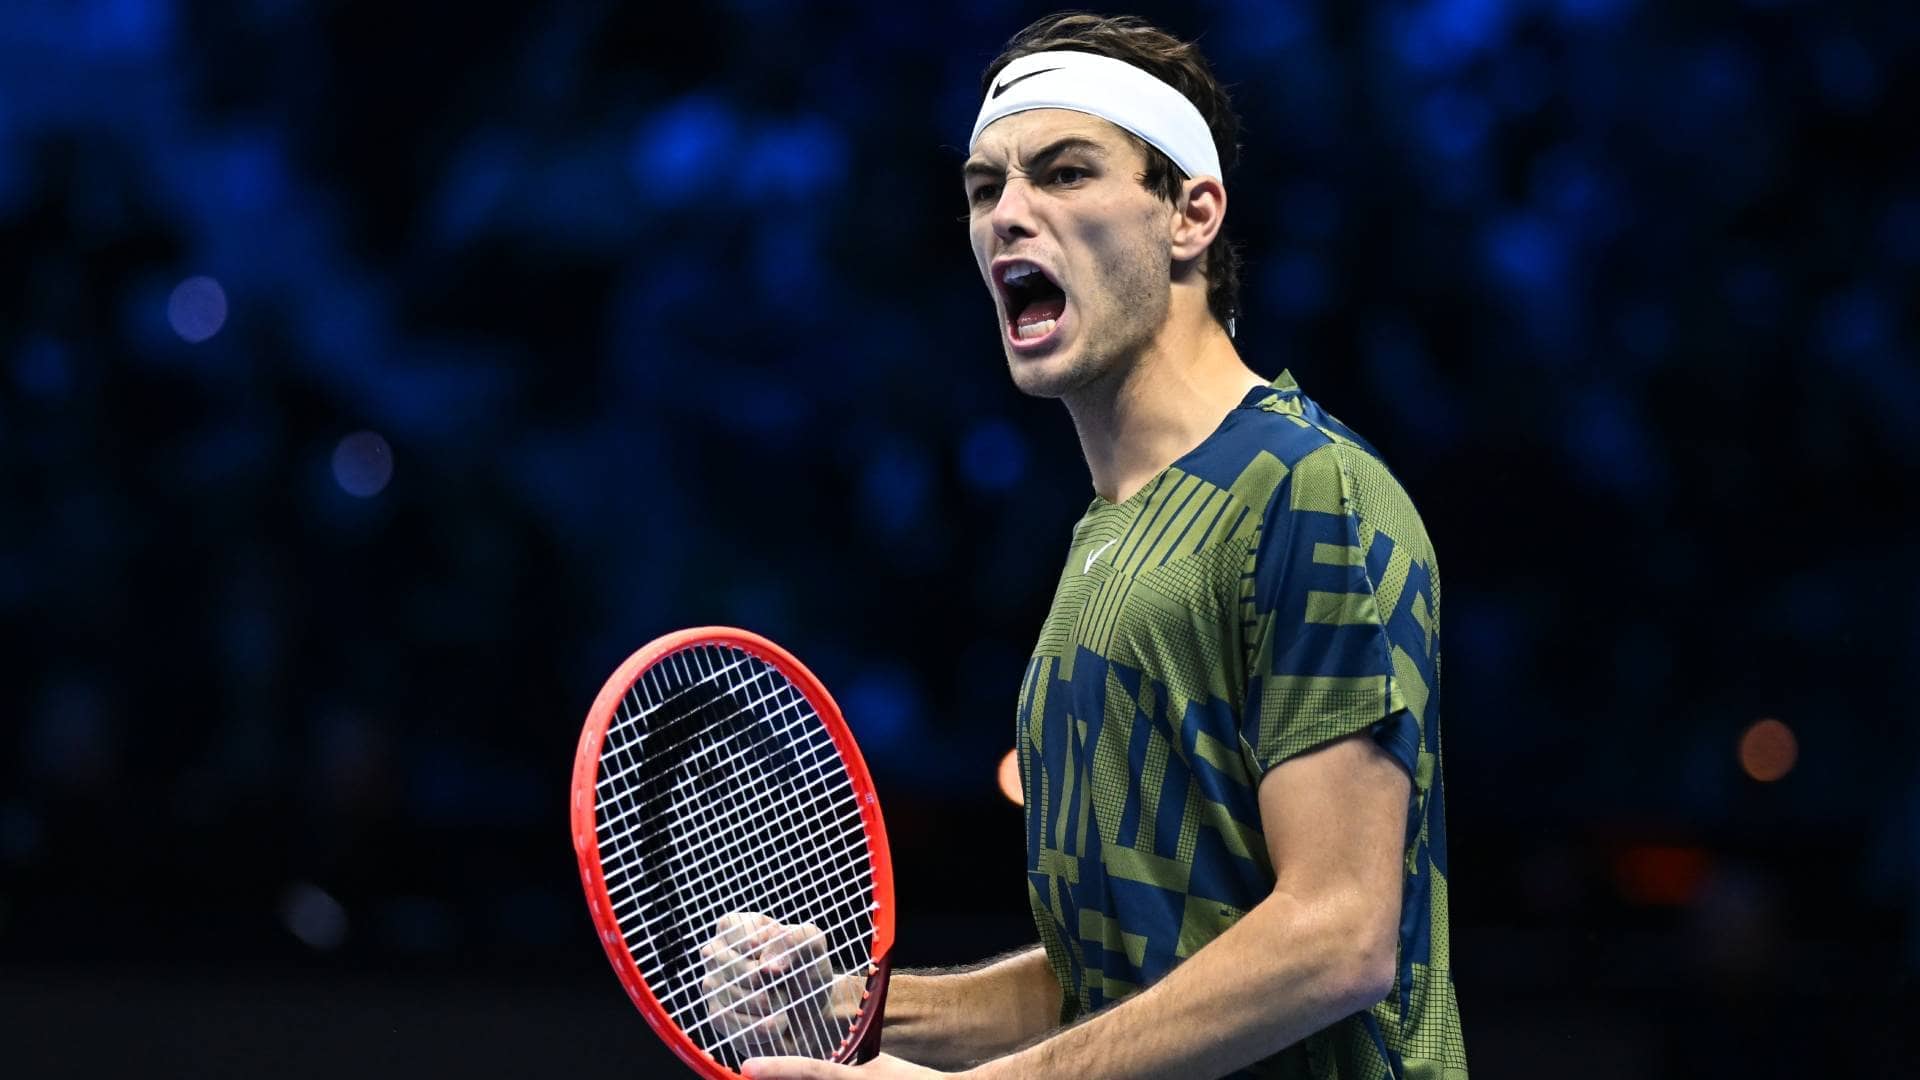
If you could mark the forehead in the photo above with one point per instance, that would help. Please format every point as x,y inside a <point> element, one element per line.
<point>1015,137</point>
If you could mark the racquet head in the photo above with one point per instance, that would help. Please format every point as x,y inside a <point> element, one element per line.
<point>733,854</point>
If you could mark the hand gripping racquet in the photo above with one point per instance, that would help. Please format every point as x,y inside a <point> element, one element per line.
<point>733,853</point>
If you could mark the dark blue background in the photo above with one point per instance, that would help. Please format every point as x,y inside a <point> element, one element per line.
<point>665,317</point>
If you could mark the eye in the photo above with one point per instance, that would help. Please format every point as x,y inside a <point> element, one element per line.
<point>983,194</point>
<point>1069,175</point>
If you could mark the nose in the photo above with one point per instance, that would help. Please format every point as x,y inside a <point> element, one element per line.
<point>1013,211</point>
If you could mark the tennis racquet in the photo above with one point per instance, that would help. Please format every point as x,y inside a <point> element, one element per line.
<point>733,854</point>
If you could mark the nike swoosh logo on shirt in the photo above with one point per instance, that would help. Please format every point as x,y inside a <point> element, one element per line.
<point>1096,554</point>
<point>1001,88</point>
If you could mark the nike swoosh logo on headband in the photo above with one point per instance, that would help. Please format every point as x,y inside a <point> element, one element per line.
<point>1001,88</point>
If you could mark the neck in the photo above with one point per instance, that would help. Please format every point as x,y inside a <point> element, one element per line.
<point>1160,404</point>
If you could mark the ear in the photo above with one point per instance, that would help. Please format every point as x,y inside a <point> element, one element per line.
<point>1197,220</point>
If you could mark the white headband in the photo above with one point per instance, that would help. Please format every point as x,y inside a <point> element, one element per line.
<point>1114,91</point>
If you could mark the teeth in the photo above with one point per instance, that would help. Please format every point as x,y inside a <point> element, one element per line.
<point>1021,273</point>
<point>1035,330</point>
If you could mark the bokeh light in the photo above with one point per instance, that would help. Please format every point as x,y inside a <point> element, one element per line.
<point>1010,778</point>
<point>884,706</point>
<point>993,457</point>
<point>317,919</point>
<point>197,309</point>
<point>1768,750</point>
<point>1660,875</point>
<point>362,464</point>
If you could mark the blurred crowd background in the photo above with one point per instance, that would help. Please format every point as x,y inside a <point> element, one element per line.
<point>375,377</point>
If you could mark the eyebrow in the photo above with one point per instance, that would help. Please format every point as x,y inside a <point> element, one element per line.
<point>1039,160</point>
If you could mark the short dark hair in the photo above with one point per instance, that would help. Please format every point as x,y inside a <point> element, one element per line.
<point>1176,63</point>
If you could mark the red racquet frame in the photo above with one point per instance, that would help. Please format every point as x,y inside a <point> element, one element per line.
<point>863,1041</point>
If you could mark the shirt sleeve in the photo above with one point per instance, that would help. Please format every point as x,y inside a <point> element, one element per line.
<point>1319,662</point>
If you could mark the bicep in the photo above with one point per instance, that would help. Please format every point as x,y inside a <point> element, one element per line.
<point>1335,819</point>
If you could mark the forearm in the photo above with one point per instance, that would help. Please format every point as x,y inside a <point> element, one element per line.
<point>1285,971</point>
<point>953,1020</point>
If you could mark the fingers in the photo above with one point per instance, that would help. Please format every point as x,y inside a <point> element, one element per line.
<point>755,951</point>
<point>767,983</point>
<point>738,939</point>
<point>798,948</point>
<point>803,939</point>
<point>733,1001</point>
<point>790,946</point>
<point>744,931</point>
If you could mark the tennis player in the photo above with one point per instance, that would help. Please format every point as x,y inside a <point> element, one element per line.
<point>1229,732</point>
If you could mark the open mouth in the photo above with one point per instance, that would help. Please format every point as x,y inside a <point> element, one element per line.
<point>1034,302</point>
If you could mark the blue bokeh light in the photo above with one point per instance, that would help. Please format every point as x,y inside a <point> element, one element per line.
<point>993,456</point>
<point>363,464</point>
<point>43,369</point>
<point>1296,284</point>
<point>1608,439</point>
<point>883,706</point>
<point>1525,253</point>
<point>251,172</point>
<point>1854,325</point>
<point>683,147</point>
<point>197,309</point>
<point>1724,77</point>
<point>895,485</point>
<point>1311,210</point>
<point>793,160</point>
<point>475,189</point>
<point>1259,31</point>
<point>789,269</point>
<point>1455,123</point>
<point>1443,35</point>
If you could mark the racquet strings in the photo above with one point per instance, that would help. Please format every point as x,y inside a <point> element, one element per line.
<point>719,791</point>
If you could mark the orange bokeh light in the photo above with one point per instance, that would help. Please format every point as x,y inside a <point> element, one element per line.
<point>1666,875</point>
<point>1010,779</point>
<point>1768,750</point>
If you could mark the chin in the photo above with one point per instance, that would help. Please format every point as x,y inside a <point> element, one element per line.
<point>1051,376</point>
